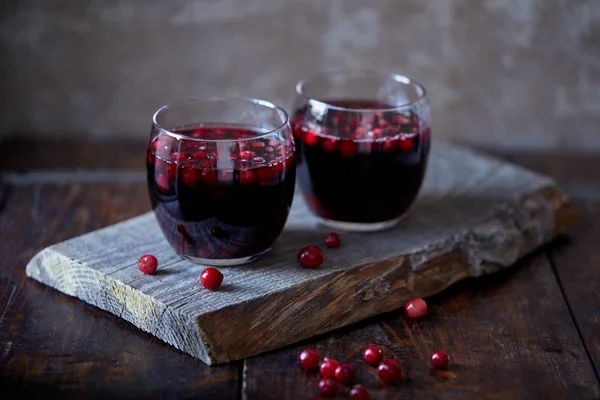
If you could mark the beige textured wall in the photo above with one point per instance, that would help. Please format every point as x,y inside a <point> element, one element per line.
<point>514,73</point>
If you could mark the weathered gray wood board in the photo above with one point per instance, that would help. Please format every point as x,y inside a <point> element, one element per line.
<point>475,215</point>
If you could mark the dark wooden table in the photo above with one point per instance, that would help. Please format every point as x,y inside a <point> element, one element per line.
<point>531,332</point>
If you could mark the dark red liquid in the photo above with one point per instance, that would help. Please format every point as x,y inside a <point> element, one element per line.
<point>355,166</point>
<point>220,200</point>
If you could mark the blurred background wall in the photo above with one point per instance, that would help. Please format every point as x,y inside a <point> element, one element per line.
<point>500,73</point>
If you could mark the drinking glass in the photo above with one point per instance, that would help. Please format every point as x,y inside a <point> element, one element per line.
<point>221,175</point>
<point>362,140</point>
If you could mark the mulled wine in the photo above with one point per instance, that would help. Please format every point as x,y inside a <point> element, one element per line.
<point>361,162</point>
<point>221,193</point>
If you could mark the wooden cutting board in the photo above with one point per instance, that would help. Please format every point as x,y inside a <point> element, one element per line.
<point>475,215</point>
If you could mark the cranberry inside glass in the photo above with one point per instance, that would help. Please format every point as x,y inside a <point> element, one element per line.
<point>221,176</point>
<point>363,142</point>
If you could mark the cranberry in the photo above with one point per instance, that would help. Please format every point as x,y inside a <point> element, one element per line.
<point>309,359</point>
<point>348,148</point>
<point>439,359</point>
<point>310,256</point>
<point>311,138</point>
<point>246,155</point>
<point>333,240</point>
<point>415,308</point>
<point>389,371</point>
<point>258,160</point>
<point>389,144</point>
<point>190,177</point>
<point>358,392</point>
<point>209,176</point>
<point>199,155</point>
<point>330,144</point>
<point>344,373</point>
<point>269,149</point>
<point>373,355</point>
<point>328,367</point>
<point>328,387</point>
<point>148,264</point>
<point>162,182</point>
<point>405,143</point>
<point>211,278</point>
<point>247,176</point>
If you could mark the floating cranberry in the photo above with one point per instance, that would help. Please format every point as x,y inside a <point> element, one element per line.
<point>405,143</point>
<point>211,278</point>
<point>247,155</point>
<point>327,387</point>
<point>344,373</point>
<point>162,183</point>
<point>348,148</point>
<point>359,392</point>
<point>389,371</point>
<point>330,144</point>
<point>389,144</point>
<point>311,138</point>
<point>247,176</point>
<point>199,155</point>
<point>310,256</point>
<point>148,264</point>
<point>209,176</point>
<point>258,160</point>
<point>333,240</point>
<point>328,367</point>
<point>373,355</point>
<point>415,308</point>
<point>265,175</point>
<point>439,359</point>
<point>269,149</point>
<point>309,359</point>
<point>191,177</point>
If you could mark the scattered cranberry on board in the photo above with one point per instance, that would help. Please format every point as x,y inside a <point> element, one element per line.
<point>328,387</point>
<point>328,367</point>
<point>373,355</point>
<point>389,371</point>
<point>211,278</point>
<point>358,392</point>
<point>309,359</point>
<point>344,373</point>
<point>148,264</point>
<point>415,308</point>
<point>310,256</point>
<point>333,240</point>
<point>439,359</point>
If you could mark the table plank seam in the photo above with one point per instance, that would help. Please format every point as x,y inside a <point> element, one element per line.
<point>572,314</point>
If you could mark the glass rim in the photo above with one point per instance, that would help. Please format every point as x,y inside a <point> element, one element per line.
<point>404,79</point>
<point>200,100</point>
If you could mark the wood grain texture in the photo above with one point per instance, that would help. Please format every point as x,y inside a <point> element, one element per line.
<point>509,336</point>
<point>54,346</point>
<point>576,264</point>
<point>474,216</point>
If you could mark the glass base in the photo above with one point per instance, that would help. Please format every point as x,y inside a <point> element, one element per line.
<point>225,262</point>
<point>359,226</point>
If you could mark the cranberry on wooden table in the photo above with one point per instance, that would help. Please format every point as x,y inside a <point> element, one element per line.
<point>333,240</point>
<point>148,264</point>
<point>309,359</point>
<point>328,387</point>
<point>344,373</point>
<point>373,355</point>
<point>439,359</point>
<point>328,367</point>
<point>358,392</point>
<point>389,371</point>
<point>310,256</point>
<point>415,308</point>
<point>211,278</point>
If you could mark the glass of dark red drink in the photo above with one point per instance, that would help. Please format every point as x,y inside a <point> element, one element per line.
<point>362,141</point>
<point>221,176</point>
